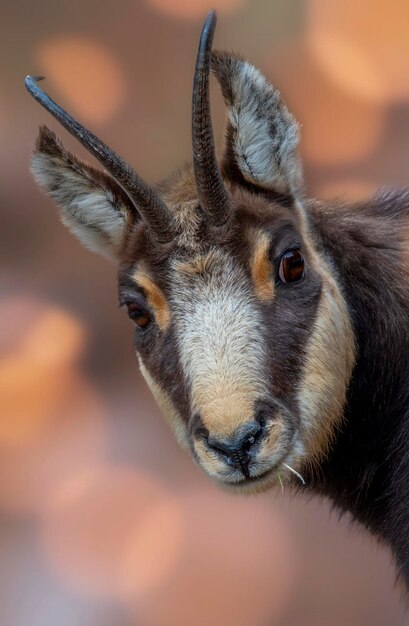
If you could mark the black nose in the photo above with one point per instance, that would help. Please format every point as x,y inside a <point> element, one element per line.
<point>237,450</point>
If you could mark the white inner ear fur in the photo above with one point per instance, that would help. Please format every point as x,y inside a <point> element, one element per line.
<point>266,134</point>
<point>87,209</point>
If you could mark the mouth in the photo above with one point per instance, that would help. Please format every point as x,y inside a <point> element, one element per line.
<point>256,479</point>
<point>265,479</point>
<point>263,463</point>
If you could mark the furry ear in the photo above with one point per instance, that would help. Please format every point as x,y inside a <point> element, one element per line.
<point>262,136</point>
<point>93,205</point>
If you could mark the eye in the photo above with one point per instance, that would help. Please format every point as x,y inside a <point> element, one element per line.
<point>291,266</point>
<point>139,314</point>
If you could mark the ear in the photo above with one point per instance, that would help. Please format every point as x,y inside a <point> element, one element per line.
<point>93,205</point>
<point>262,136</point>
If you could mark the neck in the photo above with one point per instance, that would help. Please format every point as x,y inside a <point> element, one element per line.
<point>366,468</point>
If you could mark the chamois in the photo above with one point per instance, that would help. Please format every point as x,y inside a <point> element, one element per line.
<point>272,328</point>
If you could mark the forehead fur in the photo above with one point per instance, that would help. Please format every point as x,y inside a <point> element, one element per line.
<point>180,195</point>
<point>250,211</point>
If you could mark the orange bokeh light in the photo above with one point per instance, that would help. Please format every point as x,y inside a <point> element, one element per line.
<point>87,75</point>
<point>238,565</point>
<point>56,339</point>
<point>362,46</point>
<point>345,63</point>
<point>50,418</point>
<point>348,190</point>
<point>189,9</point>
<point>112,532</point>
<point>336,127</point>
<point>65,439</point>
<point>39,345</point>
<point>29,396</point>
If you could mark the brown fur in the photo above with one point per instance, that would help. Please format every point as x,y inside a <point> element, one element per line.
<point>179,193</point>
<point>167,407</point>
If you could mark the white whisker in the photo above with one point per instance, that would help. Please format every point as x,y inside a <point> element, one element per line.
<point>280,481</point>
<point>294,472</point>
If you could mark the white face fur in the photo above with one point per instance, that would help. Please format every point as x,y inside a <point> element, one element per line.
<point>219,335</point>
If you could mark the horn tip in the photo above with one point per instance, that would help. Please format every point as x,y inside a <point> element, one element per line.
<point>31,81</point>
<point>211,19</point>
<point>206,36</point>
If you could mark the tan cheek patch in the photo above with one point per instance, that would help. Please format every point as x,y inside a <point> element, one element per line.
<point>156,298</point>
<point>329,361</point>
<point>328,368</point>
<point>261,268</point>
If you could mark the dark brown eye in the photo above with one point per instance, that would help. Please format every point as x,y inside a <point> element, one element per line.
<point>139,314</point>
<point>291,266</point>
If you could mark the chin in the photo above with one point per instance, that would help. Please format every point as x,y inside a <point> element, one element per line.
<point>246,486</point>
<point>256,484</point>
<point>277,474</point>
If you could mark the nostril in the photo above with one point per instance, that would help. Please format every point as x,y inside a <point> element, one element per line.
<point>261,419</point>
<point>248,443</point>
<point>254,434</point>
<point>202,433</point>
<point>240,444</point>
<point>219,446</point>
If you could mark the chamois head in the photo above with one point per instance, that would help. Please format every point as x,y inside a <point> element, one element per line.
<point>241,329</point>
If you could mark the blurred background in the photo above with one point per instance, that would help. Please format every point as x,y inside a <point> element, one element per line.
<point>103,521</point>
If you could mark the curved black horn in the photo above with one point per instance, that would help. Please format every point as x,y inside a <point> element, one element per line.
<point>148,204</point>
<point>209,182</point>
